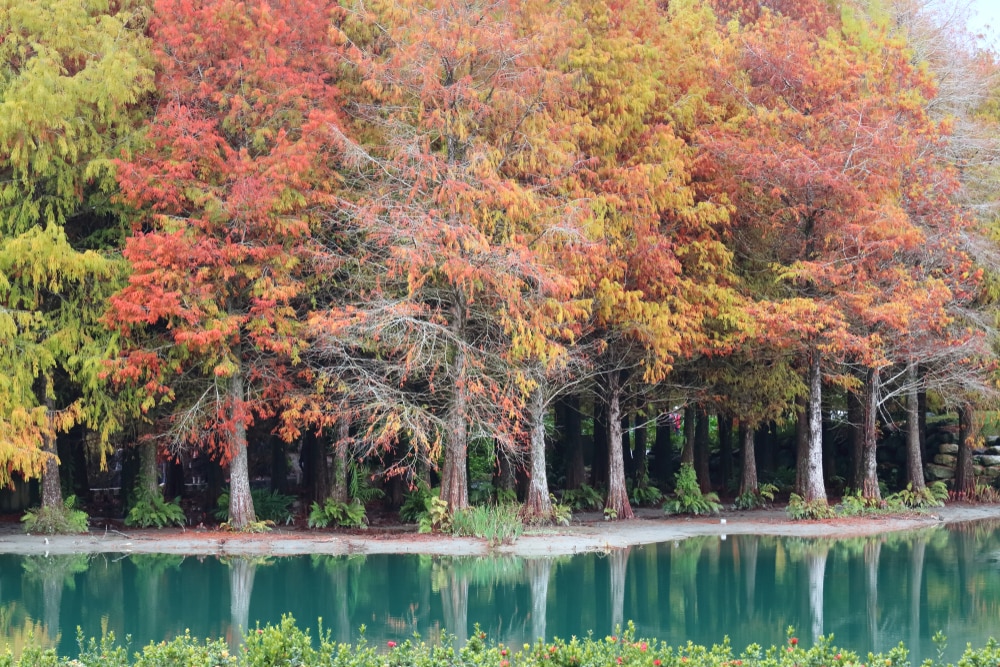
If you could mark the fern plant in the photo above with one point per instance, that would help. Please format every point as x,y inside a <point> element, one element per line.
<point>63,518</point>
<point>331,512</point>
<point>688,498</point>
<point>799,508</point>
<point>268,506</point>
<point>151,509</point>
<point>763,498</point>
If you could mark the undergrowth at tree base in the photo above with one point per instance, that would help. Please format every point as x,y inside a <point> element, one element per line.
<point>287,644</point>
<point>61,519</point>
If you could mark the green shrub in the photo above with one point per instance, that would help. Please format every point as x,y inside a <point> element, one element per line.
<point>152,510</point>
<point>56,520</point>
<point>688,498</point>
<point>333,513</point>
<point>646,495</point>
<point>497,524</point>
<point>584,498</point>
<point>436,514</point>
<point>268,506</point>
<point>415,504</point>
<point>286,645</point>
<point>763,498</point>
<point>799,509</point>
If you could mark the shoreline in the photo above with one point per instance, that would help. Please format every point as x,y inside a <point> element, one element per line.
<point>588,533</point>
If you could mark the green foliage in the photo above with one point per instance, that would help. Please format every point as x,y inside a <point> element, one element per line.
<point>688,498</point>
<point>436,515</point>
<point>584,498</point>
<point>288,645</point>
<point>331,512</point>
<point>981,493</point>
<point>54,520</point>
<point>763,498</point>
<point>415,504</point>
<point>854,504</point>
<point>259,526</point>
<point>151,509</point>
<point>933,495</point>
<point>799,509</point>
<point>562,514</point>
<point>268,506</point>
<point>361,488</point>
<point>497,524</point>
<point>646,495</point>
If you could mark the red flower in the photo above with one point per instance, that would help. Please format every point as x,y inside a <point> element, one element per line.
<point>643,647</point>
<point>657,663</point>
<point>619,660</point>
<point>552,649</point>
<point>503,651</point>
<point>504,663</point>
<point>613,638</point>
<point>793,641</point>
<point>391,644</point>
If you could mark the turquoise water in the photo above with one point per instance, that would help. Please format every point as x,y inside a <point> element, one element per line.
<point>870,592</point>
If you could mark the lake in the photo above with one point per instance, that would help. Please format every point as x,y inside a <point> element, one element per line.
<point>870,592</point>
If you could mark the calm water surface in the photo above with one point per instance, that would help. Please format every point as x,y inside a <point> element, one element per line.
<point>870,593</point>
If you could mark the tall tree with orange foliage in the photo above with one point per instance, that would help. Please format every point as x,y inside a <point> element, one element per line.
<point>657,269</point>
<point>819,158</point>
<point>239,157</point>
<point>458,148</point>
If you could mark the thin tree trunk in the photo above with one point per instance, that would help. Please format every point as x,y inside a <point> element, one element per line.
<point>147,481</point>
<point>599,462</point>
<point>690,417</point>
<point>726,447</point>
<point>626,445</point>
<point>663,450</point>
<point>816,564</point>
<point>537,504</point>
<point>801,445</point>
<point>241,512</point>
<point>752,547</point>
<point>639,454</point>
<point>813,488</point>
<point>917,552</point>
<point>869,463</point>
<point>617,501</point>
<point>455,604</point>
<point>702,451</point>
<point>965,481</point>
<point>914,452</point>
<point>340,492</point>
<point>856,419</point>
<point>51,487</point>
<point>454,480</point>
<point>873,552</point>
<point>748,476</point>
<point>571,440</point>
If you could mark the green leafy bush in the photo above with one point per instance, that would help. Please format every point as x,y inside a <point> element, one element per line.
<point>688,498</point>
<point>799,509</point>
<point>646,495</point>
<point>268,506</point>
<point>436,515</point>
<point>333,513</point>
<point>152,510</point>
<point>415,504</point>
<point>584,498</point>
<point>56,520</point>
<point>286,644</point>
<point>763,498</point>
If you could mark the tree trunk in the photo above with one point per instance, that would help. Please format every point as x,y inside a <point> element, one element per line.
<point>726,447</point>
<point>873,552</point>
<point>626,445</point>
<point>639,454</point>
<point>340,492</point>
<point>455,604</point>
<point>801,444</point>
<point>869,464</point>
<point>571,440</point>
<point>241,512</point>
<point>279,466</point>
<point>690,417</point>
<point>748,477</point>
<point>663,449</point>
<point>51,487</point>
<point>856,419</point>
<point>813,489</point>
<point>917,551</point>
<point>537,504</point>
<point>914,453</point>
<point>702,451</point>
<point>617,501</point>
<point>454,479</point>
<point>147,481</point>
<point>965,480</point>
<point>599,463</point>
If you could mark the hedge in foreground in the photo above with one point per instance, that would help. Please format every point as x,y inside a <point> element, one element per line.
<point>288,646</point>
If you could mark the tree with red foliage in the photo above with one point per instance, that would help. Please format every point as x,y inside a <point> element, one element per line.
<point>238,161</point>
